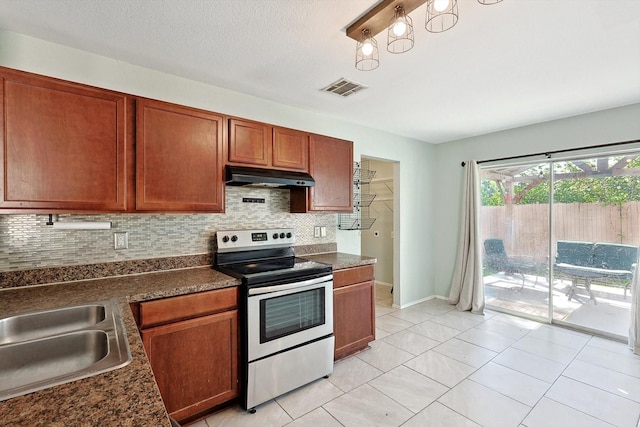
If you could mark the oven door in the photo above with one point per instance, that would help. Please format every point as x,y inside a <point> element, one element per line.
<point>283,316</point>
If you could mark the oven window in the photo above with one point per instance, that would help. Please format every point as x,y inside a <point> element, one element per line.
<point>288,314</point>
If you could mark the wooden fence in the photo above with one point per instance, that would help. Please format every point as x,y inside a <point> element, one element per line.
<point>525,228</point>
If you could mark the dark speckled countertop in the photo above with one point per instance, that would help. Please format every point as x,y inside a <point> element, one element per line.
<point>127,396</point>
<point>341,260</point>
<point>124,397</point>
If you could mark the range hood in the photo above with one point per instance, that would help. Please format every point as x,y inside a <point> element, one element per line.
<point>240,175</point>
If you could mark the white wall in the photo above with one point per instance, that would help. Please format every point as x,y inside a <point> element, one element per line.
<point>413,213</point>
<point>413,240</point>
<point>615,125</point>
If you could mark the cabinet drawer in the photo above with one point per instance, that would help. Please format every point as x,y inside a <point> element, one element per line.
<point>173,309</point>
<point>349,276</point>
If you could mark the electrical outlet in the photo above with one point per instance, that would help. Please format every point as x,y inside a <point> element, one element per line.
<point>323,231</point>
<point>316,231</point>
<point>121,240</point>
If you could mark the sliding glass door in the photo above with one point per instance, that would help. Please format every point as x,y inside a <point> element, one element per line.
<point>515,235</point>
<point>596,236</point>
<point>561,238</point>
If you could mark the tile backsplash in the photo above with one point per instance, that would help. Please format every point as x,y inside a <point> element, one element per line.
<point>26,241</point>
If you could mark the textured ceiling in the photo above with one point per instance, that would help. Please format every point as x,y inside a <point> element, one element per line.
<point>506,65</point>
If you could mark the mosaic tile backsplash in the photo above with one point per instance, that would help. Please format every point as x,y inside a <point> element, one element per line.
<point>26,241</point>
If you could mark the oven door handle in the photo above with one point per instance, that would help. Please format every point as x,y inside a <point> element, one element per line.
<point>276,288</point>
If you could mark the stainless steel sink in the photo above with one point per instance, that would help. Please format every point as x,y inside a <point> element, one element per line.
<point>51,347</point>
<point>40,324</point>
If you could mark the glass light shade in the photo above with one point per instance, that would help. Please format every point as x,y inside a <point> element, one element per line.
<point>400,32</point>
<point>439,19</point>
<point>367,53</point>
<point>489,1</point>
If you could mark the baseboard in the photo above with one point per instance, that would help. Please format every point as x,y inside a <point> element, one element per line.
<point>421,300</point>
<point>384,284</point>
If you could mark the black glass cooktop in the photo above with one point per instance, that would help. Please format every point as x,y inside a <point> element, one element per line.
<point>274,270</point>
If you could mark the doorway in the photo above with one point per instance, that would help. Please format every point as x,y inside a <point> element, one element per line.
<point>560,239</point>
<point>378,240</point>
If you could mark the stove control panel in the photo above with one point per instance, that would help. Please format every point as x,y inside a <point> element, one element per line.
<point>243,240</point>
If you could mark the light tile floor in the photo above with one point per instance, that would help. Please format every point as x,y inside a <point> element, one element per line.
<point>432,366</point>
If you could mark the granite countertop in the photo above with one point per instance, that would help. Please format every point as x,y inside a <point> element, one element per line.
<point>125,397</point>
<point>341,260</point>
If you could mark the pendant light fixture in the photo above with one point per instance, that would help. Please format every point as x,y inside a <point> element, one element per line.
<point>392,15</point>
<point>400,32</point>
<point>441,15</point>
<point>367,52</point>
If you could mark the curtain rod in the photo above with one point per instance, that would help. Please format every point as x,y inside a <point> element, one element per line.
<point>548,154</point>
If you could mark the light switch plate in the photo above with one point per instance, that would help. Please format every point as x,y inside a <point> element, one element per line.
<point>316,231</point>
<point>323,231</point>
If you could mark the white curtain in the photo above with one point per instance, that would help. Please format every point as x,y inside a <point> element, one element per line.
<point>634,328</point>
<point>467,289</point>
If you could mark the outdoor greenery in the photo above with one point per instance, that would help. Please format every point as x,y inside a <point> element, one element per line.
<point>576,182</point>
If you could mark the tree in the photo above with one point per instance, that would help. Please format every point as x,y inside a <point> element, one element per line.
<point>609,180</point>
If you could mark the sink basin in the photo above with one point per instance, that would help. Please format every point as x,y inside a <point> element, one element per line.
<point>32,361</point>
<point>41,324</point>
<point>42,349</point>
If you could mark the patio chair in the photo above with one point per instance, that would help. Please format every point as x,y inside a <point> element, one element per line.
<point>496,259</point>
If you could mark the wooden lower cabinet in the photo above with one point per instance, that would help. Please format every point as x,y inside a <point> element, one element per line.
<point>353,310</point>
<point>195,362</point>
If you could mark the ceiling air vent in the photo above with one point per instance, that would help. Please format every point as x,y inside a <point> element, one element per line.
<point>344,87</point>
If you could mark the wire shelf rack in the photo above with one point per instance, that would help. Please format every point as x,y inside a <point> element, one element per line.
<point>360,218</point>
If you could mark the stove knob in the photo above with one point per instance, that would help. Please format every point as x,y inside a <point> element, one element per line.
<point>225,239</point>
<point>288,235</point>
<point>275,235</point>
<point>234,238</point>
<point>282,235</point>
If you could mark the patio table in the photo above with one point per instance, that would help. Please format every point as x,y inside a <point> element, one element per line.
<point>587,273</point>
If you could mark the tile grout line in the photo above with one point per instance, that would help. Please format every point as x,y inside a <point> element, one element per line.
<point>501,320</point>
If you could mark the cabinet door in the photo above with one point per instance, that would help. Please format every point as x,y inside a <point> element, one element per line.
<point>290,149</point>
<point>331,166</point>
<point>249,143</point>
<point>353,318</point>
<point>195,362</point>
<point>63,145</point>
<point>179,163</point>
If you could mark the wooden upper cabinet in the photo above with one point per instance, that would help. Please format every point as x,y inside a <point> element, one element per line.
<point>68,147</point>
<point>249,143</point>
<point>64,145</point>
<point>179,158</point>
<point>265,146</point>
<point>331,166</point>
<point>290,149</point>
